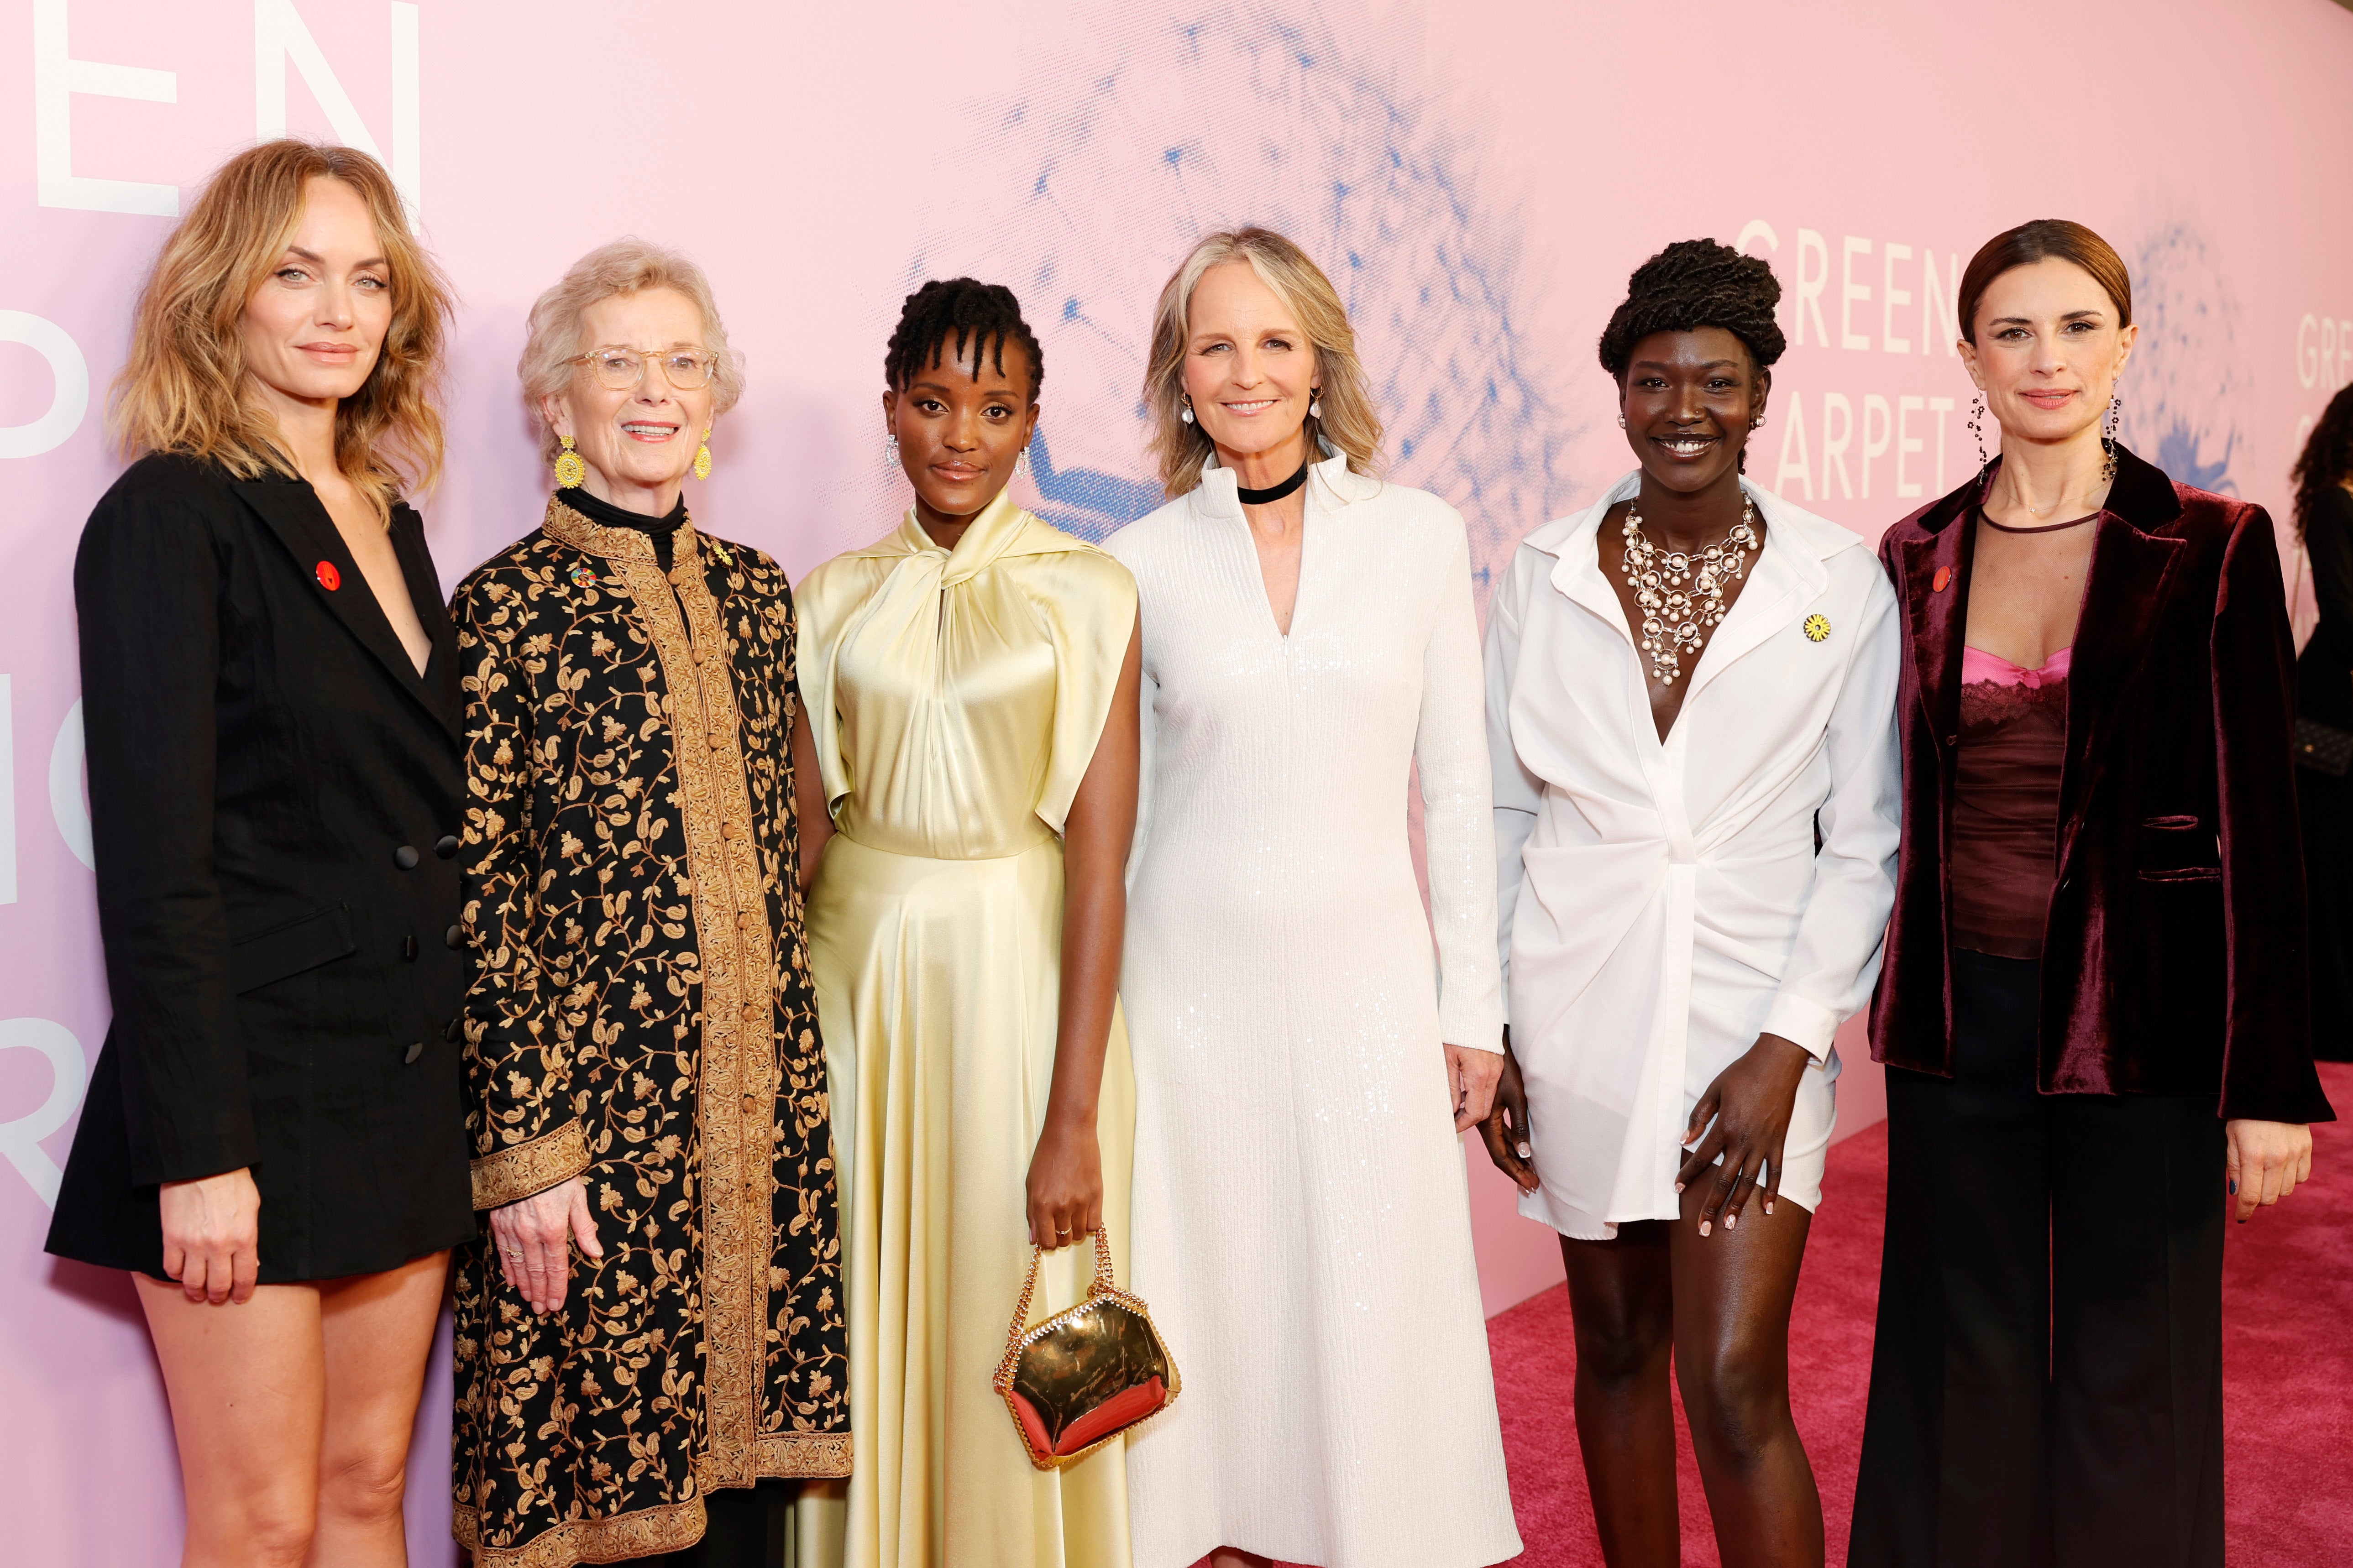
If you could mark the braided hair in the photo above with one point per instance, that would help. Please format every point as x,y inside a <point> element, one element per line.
<point>2327,459</point>
<point>941,317</point>
<point>1691,284</point>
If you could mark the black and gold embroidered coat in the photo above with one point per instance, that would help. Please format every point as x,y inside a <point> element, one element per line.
<point>640,1018</point>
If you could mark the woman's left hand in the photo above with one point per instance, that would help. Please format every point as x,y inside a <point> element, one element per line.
<point>2266,1160</point>
<point>1471,1079</point>
<point>1066,1186</point>
<point>1750,1103</point>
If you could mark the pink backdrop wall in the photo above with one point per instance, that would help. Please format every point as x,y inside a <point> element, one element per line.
<point>1479,177</point>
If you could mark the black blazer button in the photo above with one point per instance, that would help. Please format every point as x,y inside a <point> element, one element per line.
<point>456,1031</point>
<point>405,857</point>
<point>415,1049</point>
<point>408,947</point>
<point>446,845</point>
<point>454,937</point>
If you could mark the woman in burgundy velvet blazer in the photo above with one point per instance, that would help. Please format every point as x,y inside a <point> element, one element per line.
<point>2173,960</point>
<point>2092,1005</point>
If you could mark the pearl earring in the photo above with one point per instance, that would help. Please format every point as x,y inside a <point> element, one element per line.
<point>1315,408</point>
<point>1187,415</point>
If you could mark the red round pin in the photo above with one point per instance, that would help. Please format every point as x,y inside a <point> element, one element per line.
<point>1944,579</point>
<point>328,578</point>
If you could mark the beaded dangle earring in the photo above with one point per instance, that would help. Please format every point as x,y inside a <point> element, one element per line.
<point>1186,414</point>
<point>1977,429</point>
<point>2108,439</point>
<point>571,468</point>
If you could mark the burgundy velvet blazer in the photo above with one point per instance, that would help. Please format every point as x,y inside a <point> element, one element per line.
<point>2174,958</point>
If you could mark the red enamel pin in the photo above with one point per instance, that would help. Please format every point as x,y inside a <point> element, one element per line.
<point>328,578</point>
<point>1944,580</point>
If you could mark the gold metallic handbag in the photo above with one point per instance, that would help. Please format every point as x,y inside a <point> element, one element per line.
<point>1085,1375</point>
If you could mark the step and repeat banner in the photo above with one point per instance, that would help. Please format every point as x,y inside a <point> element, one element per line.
<point>1478,178</point>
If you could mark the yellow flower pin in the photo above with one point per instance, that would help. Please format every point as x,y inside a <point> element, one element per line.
<point>1818,627</point>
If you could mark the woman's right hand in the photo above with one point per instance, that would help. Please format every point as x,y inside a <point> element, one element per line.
<point>212,1236</point>
<point>1505,1128</point>
<point>531,1235</point>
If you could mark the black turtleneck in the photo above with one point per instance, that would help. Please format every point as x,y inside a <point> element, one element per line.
<point>660,530</point>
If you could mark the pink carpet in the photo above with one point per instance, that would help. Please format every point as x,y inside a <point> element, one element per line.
<point>2288,1370</point>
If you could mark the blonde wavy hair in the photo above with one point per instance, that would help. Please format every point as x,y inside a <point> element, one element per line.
<point>184,386</point>
<point>1350,425</point>
<point>625,266</point>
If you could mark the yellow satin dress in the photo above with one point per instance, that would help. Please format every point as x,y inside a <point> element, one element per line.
<point>957,697</point>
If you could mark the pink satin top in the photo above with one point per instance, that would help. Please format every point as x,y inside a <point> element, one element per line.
<point>2005,843</point>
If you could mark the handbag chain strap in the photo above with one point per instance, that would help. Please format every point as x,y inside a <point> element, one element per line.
<point>1105,1284</point>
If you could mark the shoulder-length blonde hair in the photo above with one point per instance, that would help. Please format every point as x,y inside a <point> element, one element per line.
<point>183,388</point>
<point>1350,424</point>
<point>625,266</point>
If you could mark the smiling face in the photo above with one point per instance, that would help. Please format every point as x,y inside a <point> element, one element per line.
<point>313,329</point>
<point>2050,347</point>
<point>961,425</point>
<point>1690,400</point>
<point>1249,371</point>
<point>640,441</point>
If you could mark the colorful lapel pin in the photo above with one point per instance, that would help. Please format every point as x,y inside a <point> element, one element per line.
<point>328,578</point>
<point>1944,580</point>
<point>580,576</point>
<point>1818,627</point>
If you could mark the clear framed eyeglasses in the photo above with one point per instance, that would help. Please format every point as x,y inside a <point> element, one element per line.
<point>621,369</point>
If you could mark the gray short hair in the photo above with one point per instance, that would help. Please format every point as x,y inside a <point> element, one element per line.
<point>625,266</point>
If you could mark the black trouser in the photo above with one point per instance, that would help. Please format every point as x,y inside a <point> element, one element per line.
<point>744,1529</point>
<point>2046,1389</point>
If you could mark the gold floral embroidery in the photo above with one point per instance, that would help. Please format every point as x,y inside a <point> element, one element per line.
<point>644,983</point>
<point>527,1168</point>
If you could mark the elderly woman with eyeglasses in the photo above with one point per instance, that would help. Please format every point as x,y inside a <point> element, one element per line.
<point>651,1326</point>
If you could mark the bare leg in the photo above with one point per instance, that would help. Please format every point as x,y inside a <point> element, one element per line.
<point>247,1385</point>
<point>377,1332</point>
<point>1732,1295</point>
<point>1621,1300</point>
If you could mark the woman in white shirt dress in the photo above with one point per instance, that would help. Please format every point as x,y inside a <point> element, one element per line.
<point>1691,696</point>
<point>1303,1066</point>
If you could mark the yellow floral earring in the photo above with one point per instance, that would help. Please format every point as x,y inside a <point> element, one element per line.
<point>703,456</point>
<point>571,470</point>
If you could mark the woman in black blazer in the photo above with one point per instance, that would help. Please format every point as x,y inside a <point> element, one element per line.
<point>2324,711</point>
<point>272,1140</point>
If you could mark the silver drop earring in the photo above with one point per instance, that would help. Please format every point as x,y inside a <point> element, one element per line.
<point>891,443</point>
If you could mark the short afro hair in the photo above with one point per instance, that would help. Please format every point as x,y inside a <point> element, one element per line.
<point>1691,284</point>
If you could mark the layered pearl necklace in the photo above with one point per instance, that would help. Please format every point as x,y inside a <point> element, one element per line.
<point>1676,619</point>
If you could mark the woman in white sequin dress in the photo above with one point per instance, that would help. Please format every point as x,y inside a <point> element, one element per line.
<point>1303,1066</point>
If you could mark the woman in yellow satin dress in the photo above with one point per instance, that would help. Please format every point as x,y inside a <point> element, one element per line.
<point>972,681</point>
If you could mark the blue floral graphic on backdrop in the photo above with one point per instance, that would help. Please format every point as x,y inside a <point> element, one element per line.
<point>2186,384</point>
<point>1258,116</point>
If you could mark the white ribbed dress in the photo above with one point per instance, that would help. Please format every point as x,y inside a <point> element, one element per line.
<point>1300,1222</point>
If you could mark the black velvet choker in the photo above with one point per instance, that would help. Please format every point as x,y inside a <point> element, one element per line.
<point>660,530</point>
<point>1272,492</point>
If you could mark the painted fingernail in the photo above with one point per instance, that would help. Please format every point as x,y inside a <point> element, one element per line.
<point>2234,1186</point>
<point>1527,1152</point>
<point>1768,1208</point>
<point>1730,1220</point>
<point>1702,1227</point>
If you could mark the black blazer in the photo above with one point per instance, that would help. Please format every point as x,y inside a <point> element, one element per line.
<point>2324,674</point>
<point>274,802</point>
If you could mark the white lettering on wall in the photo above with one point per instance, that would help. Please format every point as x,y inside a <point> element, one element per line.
<point>57,78</point>
<point>1810,289</point>
<point>1890,296</point>
<point>67,804</point>
<point>68,402</point>
<point>2324,352</point>
<point>1874,404</point>
<point>1850,293</point>
<point>1796,462</point>
<point>20,1141</point>
<point>281,39</point>
<point>1834,449</point>
<point>1937,322</point>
